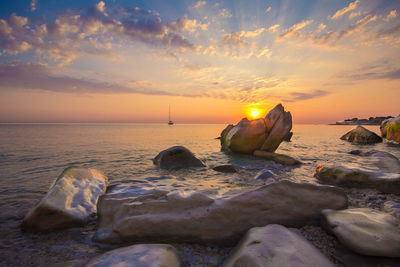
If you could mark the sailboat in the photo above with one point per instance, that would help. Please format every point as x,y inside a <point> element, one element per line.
<point>169,116</point>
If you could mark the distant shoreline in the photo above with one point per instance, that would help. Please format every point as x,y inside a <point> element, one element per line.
<point>356,121</point>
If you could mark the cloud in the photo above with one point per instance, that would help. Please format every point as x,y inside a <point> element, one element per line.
<point>299,96</point>
<point>200,4</point>
<point>294,30</point>
<point>40,77</point>
<point>372,72</point>
<point>268,10</point>
<point>93,31</point>
<point>344,10</point>
<point>225,13</point>
<point>392,14</point>
<point>33,5</point>
<point>274,28</point>
<point>354,14</point>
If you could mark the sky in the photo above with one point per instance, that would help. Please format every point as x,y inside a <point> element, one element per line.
<point>211,61</point>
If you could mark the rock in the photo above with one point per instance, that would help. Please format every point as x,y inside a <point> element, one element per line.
<point>357,178</point>
<point>365,231</point>
<point>278,158</point>
<point>225,168</point>
<point>264,175</point>
<point>69,202</point>
<point>361,136</point>
<point>261,134</point>
<point>177,157</point>
<point>275,245</point>
<point>390,129</point>
<point>385,161</point>
<point>288,137</point>
<point>157,255</point>
<point>393,208</point>
<point>168,217</point>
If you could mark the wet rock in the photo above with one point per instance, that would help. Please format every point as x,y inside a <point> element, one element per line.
<point>392,207</point>
<point>365,231</point>
<point>275,245</point>
<point>390,129</point>
<point>159,215</point>
<point>288,137</point>
<point>69,202</point>
<point>361,136</point>
<point>226,168</point>
<point>278,158</point>
<point>261,134</point>
<point>264,175</point>
<point>385,161</point>
<point>347,177</point>
<point>177,157</point>
<point>140,256</point>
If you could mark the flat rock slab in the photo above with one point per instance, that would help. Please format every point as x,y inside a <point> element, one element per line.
<point>365,231</point>
<point>275,246</point>
<point>69,202</point>
<point>144,255</point>
<point>177,157</point>
<point>362,136</point>
<point>278,158</point>
<point>337,175</point>
<point>167,217</point>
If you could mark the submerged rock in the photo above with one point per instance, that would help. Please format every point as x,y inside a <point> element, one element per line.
<point>390,129</point>
<point>261,134</point>
<point>162,216</point>
<point>365,231</point>
<point>278,158</point>
<point>275,245</point>
<point>157,255</point>
<point>228,168</point>
<point>361,136</point>
<point>69,202</point>
<point>177,157</point>
<point>357,178</point>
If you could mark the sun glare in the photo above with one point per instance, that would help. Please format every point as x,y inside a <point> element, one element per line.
<point>255,113</point>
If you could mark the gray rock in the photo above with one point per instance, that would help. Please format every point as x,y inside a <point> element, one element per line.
<point>177,157</point>
<point>336,175</point>
<point>278,158</point>
<point>365,231</point>
<point>159,215</point>
<point>228,168</point>
<point>361,136</point>
<point>264,175</point>
<point>390,129</point>
<point>261,134</point>
<point>275,245</point>
<point>386,162</point>
<point>144,255</point>
<point>69,202</point>
<point>392,207</point>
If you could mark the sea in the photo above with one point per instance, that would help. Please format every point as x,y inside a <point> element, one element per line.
<point>33,155</point>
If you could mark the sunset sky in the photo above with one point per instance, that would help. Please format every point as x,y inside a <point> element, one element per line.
<point>127,61</point>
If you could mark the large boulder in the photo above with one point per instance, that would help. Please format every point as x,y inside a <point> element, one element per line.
<point>390,129</point>
<point>177,157</point>
<point>275,246</point>
<point>161,216</point>
<point>261,134</point>
<point>365,231</point>
<point>155,255</point>
<point>361,136</point>
<point>342,176</point>
<point>278,158</point>
<point>69,202</point>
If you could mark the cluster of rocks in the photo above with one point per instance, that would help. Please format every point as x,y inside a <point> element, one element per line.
<point>259,222</point>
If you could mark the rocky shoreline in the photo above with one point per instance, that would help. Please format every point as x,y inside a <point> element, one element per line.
<point>351,218</point>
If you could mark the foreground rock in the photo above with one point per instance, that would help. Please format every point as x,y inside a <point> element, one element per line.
<point>361,136</point>
<point>177,157</point>
<point>278,158</point>
<point>157,255</point>
<point>357,178</point>
<point>225,168</point>
<point>262,134</point>
<point>275,246</point>
<point>393,208</point>
<point>162,216</point>
<point>69,202</point>
<point>365,231</point>
<point>390,129</point>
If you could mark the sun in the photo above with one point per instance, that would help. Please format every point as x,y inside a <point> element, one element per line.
<point>255,113</point>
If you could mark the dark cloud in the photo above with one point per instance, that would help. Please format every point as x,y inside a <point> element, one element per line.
<point>299,96</point>
<point>380,70</point>
<point>40,77</point>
